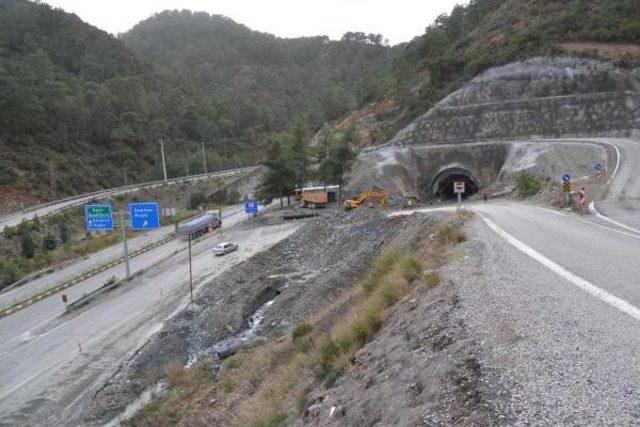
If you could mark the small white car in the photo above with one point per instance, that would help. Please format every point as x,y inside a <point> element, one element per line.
<point>224,248</point>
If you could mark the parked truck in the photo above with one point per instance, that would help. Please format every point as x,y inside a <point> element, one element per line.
<point>198,225</point>
<point>318,197</point>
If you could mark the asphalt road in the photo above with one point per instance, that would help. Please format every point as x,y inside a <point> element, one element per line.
<point>46,379</point>
<point>16,218</point>
<point>230,216</point>
<point>557,315</point>
<point>622,201</point>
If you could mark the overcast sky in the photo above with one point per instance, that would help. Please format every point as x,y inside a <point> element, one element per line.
<point>397,20</point>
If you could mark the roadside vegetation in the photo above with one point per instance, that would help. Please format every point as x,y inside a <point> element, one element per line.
<point>44,242</point>
<point>271,383</point>
<point>527,185</point>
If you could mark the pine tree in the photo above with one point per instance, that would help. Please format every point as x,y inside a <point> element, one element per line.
<point>26,243</point>
<point>279,180</point>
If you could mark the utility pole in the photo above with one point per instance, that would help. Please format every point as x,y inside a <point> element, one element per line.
<point>190,270</point>
<point>204,159</point>
<point>52,178</point>
<point>124,241</point>
<point>164,165</point>
<point>124,167</point>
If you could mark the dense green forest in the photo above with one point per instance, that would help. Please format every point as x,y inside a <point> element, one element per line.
<point>487,33</point>
<point>78,106</point>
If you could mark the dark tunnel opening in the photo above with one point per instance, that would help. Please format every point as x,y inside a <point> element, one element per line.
<point>443,186</point>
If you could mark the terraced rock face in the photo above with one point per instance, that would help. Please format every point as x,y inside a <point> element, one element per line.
<point>475,133</point>
<point>545,97</point>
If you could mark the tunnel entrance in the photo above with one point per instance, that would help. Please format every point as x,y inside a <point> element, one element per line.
<point>443,183</point>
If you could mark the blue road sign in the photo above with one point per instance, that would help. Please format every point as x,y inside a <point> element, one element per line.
<point>98,217</point>
<point>250,207</point>
<point>599,167</point>
<point>566,177</point>
<point>144,216</point>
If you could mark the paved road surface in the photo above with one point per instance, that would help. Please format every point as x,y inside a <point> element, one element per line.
<point>558,317</point>
<point>230,216</point>
<point>45,380</point>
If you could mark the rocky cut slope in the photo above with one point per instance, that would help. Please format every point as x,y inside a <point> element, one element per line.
<point>541,97</point>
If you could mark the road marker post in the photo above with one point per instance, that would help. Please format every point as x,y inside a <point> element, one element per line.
<point>124,243</point>
<point>459,189</point>
<point>566,187</point>
<point>190,270</point>
<point>79,347</point>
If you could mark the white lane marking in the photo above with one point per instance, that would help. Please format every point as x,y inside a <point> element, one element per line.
<point>31,378</point>
<point>423,210</point>
<point>588,287</point>
<point>62,359</point>
<point>636,236</point>
<point>618,157</point>
<point>17,337</point>
<point>594,210</point>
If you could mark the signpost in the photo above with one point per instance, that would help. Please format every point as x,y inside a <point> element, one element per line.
<point>566,183</point>
<point>599,167</point>
<point>459,189</point>
<point>566,187</point>
<point>144,216</point>
<point>98,217</point>
<point>250,207</point>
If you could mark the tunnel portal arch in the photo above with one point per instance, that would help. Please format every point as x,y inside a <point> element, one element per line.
<point>442,185</point>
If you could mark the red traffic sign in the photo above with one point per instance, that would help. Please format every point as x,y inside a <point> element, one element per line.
<point>458,187</point>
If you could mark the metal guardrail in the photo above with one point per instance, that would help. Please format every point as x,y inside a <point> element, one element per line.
<point>87,298</point>
<point>32,300</point>
<point>133,187</point>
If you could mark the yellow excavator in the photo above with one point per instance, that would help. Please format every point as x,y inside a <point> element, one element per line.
<point>378,196</point>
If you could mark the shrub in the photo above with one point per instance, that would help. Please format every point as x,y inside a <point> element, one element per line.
<point>9,232</point>
<point>411,268</point>
<point>9,274</point>
<point>26,244</point>
<point>274,419</point>
<point>64,232</point>
<point>49,242</point>
<point>381,266</point>
<point>177,374</point>
<point>527,185</point>
<point>301,330</point>
<point>301,403</point>
<point>450,233</point>
<point>432,279</point>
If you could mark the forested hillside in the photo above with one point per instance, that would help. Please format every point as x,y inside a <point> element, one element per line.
<point>74,104</point>
<point>487,33</point>
<point>255,80</point>
<point>77,105</point>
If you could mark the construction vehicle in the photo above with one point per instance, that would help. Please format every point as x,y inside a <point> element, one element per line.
<point>317,197</point>
<point>371,197</point>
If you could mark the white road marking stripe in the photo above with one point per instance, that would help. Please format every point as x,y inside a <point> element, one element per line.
<point>592,208</point>
<point>615,170</point>
<point>588,287</point>
<point>637,236</point>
